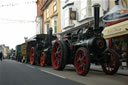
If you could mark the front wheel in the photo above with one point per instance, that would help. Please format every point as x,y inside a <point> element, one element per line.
<point>82,61</point>
<point>111,65</point>
<point>59,53</point>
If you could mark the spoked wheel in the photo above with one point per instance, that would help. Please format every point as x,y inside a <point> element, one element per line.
<point>32,56</point>
<point>111,65</point>
<point>82,61</point>
<point>58,55</point>
<point>42,59</point>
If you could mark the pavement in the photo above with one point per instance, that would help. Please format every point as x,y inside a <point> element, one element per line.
<point>121,71</point>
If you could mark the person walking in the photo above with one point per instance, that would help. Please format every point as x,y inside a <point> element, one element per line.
<point>1,56</point>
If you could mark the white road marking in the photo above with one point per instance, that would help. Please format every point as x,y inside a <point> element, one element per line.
<point>53,74</point>
<point>30,66</point>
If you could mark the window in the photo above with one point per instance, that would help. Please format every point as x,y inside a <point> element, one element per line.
<point>85,9</point>
<point>54,5</point>
<point>38,25</point>
<point>54,24</point>
<point>47,12</point>
<point>66,17</point>
<point>46,28</point>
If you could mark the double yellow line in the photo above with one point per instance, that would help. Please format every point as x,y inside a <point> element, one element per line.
<point>124,2</point>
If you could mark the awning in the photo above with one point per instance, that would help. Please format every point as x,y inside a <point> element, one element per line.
<point>116,30</point>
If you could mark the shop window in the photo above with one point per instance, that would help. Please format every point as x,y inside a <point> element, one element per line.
<point>54,5</point>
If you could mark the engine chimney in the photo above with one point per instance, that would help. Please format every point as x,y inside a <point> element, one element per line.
<point>50,36</point>
<point>96,16</point>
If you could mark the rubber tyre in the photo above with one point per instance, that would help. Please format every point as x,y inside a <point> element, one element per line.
<point>59,53</point>
<point>111,67</point>
<point>82,61</point>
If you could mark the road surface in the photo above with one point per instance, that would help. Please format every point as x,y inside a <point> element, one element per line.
<point>15,73</point>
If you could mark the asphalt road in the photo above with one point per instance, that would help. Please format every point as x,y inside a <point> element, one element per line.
<point>15,73</point>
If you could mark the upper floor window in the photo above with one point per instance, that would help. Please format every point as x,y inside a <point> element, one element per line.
<point>85,9</point>
<point>66,17</point>
<point>54,5</point>
<point>47,12</point>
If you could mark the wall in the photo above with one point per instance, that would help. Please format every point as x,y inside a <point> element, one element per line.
<point>78,7</point>
<point>39,18</point>
<point>52,15</point>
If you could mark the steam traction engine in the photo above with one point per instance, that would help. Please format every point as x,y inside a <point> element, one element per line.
<point>84,47</point>
<point>40,53</point>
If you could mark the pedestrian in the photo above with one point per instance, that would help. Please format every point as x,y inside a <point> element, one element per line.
<point>1,56</point>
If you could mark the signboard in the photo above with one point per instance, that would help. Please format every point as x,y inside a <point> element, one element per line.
<point>72,15</point>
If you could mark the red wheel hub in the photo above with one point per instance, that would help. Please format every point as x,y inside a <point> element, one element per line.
<point>81,62</point>
<point>42,59</point>
<point>32,56</point>
<point>56,55</point>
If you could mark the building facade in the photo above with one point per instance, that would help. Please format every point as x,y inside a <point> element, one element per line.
<point>5,50</point>
<point>51,14</point>
<point>78,12</point>
<point>39,18</point>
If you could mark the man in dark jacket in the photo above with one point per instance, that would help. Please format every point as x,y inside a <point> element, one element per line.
<point>1,56</point>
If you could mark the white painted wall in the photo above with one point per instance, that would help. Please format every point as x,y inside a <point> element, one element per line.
<point>83,12</point>
<point>38,25</point>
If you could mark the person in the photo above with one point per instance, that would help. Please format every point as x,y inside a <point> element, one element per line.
<point>1,56</point>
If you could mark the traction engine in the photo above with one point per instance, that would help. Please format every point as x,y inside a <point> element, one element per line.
<point>83,47</point>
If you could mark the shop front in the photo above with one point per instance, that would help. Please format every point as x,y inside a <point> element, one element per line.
<point>117,35</point>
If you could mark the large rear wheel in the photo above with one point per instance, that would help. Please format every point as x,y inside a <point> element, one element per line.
<point>82,61</point>
<point>32,56</point>
<point>59,55</point>
<point>111,65</point>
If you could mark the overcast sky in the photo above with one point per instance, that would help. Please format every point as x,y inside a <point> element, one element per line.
<point>16,22</point>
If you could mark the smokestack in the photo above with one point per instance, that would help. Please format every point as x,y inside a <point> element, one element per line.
<point>50,36</point>
<point>96,16</point>
<point>116,2</point>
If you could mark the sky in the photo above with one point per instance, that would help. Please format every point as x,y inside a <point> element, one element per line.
<point>17,20</point>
